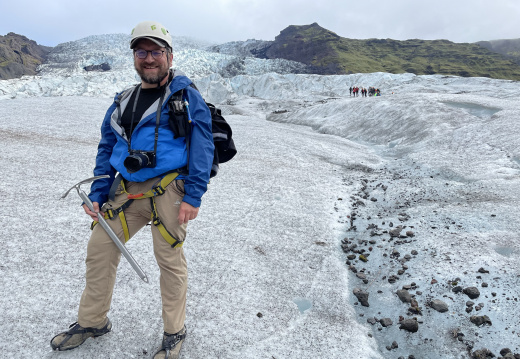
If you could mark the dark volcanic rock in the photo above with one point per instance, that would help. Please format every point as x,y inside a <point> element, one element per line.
<point>409,325</point>
<point>393,346</point>
<point>386,322</point>
<point>102,67</point>
<point>439,305</point>
<point>482,354</point>
<point>362,296</point>
<point>361,275</point>
<point>413,310</point>
<point>505,351</point>
<point>393,278</point>
<point>372,320</point>
<point>414,303</point>
<point>404,295</point>
<point>472,292</point>
<point>396,231</point>
<point>457,289</point>
<point>480,320</point>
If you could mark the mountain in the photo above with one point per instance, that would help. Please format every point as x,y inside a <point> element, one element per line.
<point>102,64</point>
<point>306,49</point>
<point>508,48</point>
<point>327,53</point>
<point>20,56</point>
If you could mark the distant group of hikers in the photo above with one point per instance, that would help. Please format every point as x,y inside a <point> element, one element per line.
<point>372,91</point>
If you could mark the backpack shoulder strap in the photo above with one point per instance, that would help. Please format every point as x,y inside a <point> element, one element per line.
<point>125,93</point>
<point>120,97</point>
<point>179,119</point>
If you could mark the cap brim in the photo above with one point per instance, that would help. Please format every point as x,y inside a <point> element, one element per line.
<point>134,42</point>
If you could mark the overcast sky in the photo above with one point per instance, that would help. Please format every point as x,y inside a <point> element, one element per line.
<point>51,22</point>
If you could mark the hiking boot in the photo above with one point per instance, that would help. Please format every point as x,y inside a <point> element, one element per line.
<point>171,345</point>
<point>76,335</point>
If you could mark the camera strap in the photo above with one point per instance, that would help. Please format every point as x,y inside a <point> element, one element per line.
<point>158,119</point>
<point>136,100</point>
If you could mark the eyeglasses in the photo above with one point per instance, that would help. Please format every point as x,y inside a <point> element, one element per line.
<point>143,54</point>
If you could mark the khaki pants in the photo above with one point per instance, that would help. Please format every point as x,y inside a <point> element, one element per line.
<point>103,257</point>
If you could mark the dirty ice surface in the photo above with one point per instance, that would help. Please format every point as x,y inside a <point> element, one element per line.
<point>267,277</point>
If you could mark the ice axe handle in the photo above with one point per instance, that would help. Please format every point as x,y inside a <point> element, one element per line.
<point>113,236</point>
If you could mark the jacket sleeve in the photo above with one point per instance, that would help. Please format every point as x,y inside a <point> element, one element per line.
<point>201,149</point>
<point>100,188</point>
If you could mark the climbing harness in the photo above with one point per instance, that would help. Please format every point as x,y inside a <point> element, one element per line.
<point>157,190</point>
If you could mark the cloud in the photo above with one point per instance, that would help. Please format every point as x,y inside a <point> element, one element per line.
<point>54,21</point>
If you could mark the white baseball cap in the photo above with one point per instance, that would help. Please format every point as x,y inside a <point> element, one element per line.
<point>151,30</point>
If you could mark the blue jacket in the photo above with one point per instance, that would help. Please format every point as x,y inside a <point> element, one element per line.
<point>171,153</point>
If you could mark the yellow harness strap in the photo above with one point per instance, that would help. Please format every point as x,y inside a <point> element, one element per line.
<point>174,242</point>
<point>110,214</point>
<point>155,191</point>
<point>124,225</point>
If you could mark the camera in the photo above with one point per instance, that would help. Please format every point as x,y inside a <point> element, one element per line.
<point>139,159</point>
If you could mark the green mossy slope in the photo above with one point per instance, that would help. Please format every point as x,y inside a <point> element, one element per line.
<point>328,53</point>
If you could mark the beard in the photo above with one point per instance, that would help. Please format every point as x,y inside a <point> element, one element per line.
<point>152,79</point>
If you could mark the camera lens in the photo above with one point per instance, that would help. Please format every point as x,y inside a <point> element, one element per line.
<point>135,162</point>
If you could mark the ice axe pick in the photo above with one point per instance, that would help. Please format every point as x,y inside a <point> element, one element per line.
<point>105,225</point>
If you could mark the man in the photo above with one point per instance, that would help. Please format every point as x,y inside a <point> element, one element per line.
<point>140,145</point>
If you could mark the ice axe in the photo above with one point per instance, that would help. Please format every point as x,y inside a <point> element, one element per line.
<point>105,225</point>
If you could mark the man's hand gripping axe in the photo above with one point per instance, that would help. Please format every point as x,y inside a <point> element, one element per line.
<point>105,225</point>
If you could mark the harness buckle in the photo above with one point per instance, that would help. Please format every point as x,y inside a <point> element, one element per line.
<point>158,190</point>
<point>109,213</point>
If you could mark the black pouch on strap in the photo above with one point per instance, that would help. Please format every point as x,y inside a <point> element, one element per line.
<point>178,117</point>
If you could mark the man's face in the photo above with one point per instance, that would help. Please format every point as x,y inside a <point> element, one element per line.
<point>152,70</point>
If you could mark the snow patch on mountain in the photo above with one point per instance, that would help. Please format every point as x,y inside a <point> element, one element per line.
<point>246,48</point>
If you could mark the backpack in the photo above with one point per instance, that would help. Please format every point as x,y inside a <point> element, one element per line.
<point>222,134</point>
